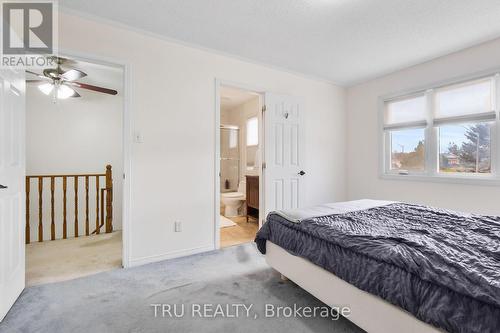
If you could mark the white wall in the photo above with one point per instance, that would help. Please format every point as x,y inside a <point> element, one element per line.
<point>76,135</point>
<point>172,103</point>
<point>363,167</point>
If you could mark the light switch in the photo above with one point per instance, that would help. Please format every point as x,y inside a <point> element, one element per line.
<point>178,226</point>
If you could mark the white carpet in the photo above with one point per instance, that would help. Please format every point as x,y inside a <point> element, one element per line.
<point>225,222</point>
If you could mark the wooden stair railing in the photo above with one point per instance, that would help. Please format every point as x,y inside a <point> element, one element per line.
<point>104,213</point>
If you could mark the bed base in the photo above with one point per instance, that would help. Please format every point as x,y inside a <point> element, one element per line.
<point>369,312</point>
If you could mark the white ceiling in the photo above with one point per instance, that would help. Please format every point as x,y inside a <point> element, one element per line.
<point>231,97</point>
<point>344,41</point>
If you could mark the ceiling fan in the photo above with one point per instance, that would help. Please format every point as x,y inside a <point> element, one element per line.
<point>61,83</point>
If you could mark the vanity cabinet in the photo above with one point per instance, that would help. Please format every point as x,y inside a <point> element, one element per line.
<point>252,197</point>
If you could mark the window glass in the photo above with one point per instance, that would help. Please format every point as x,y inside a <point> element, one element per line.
<point>253,131</point>
<point>406,110</point>
<point>465,148</point>
<point>408,150</point>
<point>464,99</point>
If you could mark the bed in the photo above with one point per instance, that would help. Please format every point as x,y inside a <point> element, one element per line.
<point>399,267</point>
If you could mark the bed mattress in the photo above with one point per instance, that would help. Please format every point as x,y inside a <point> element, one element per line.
<point>439,265</point>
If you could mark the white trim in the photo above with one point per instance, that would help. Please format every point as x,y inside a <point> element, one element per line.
<point>127,169</point>
<point>452,179</point>
<point>408,125</point>
<point>262,148</point>
<point>431,134</point>
<point>147,33</point>
<point>431,173</point>
<point>495,135</point>
<point>261,92</point>
<point>127,142</point>
<point>478,117</point>
<point>170,255</point>
<point>218,84</point>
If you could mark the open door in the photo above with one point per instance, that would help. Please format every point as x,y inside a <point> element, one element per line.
<point>284,172</point>
<point>12,180</point>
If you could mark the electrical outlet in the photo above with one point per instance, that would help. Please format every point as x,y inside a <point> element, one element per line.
<point>178,226</point>
<point>138,137</point>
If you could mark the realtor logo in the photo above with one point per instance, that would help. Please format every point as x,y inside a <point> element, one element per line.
<point>28,33</point>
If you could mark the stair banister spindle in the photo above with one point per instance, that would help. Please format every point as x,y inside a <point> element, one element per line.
<point>52,217</point>
<point>65,222</point>
<point>40,209</point>
<point>76,204</point>
<point>102,208</point>
<point>103,200</point>
<point>109,199</point>
<point>97,205</point>
<point>87,206</point>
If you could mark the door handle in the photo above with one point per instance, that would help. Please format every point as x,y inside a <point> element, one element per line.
<point>3,187</point>
<point>302,172</point>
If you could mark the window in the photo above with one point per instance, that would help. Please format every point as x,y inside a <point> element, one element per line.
<point>408,150</point>
<point>404,123</point>
<point>253,131</point>
<point>465,148</point>
<point>444,132</point>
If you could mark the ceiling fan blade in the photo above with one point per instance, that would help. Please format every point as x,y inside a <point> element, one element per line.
<point>38,75</point>
<point>30,72</point>
<point>72,75</point>
<point>93,88</point>
<point>75,94</point>
<point>35,81</point>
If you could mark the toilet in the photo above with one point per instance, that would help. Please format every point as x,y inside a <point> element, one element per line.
<point>233,200</point>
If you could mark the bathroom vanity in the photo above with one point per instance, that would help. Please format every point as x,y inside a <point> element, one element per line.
<point>252,197</point>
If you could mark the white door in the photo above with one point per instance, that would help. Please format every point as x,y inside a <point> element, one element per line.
<point>284,173</point>
<point>12,180</point>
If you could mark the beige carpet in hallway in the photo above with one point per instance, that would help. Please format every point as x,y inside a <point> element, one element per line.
<point>67,259</point>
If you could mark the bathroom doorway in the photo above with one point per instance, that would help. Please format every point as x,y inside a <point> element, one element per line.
<point>240,164</point>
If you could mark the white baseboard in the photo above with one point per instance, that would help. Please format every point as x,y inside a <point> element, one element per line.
<point>170,255</point>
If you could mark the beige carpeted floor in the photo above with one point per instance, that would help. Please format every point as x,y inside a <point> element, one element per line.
<point>66,259</point>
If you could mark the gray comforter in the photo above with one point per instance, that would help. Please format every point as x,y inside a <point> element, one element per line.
<point>441,266</point>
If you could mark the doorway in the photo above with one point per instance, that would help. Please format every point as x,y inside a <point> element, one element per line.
<point>240,159</point>
<point>74,167</point>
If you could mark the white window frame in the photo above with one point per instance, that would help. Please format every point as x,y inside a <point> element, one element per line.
<point>431,172</point>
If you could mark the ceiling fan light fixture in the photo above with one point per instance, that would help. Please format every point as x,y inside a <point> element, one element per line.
<point>61,82</point>
<point>64,92</point>
<point>46,88</point>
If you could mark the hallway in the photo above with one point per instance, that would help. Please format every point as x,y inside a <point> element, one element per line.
<point>66,259</point>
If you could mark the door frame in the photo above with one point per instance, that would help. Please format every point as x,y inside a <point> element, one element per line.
<point>126,140</point>
<point>262,92</point>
